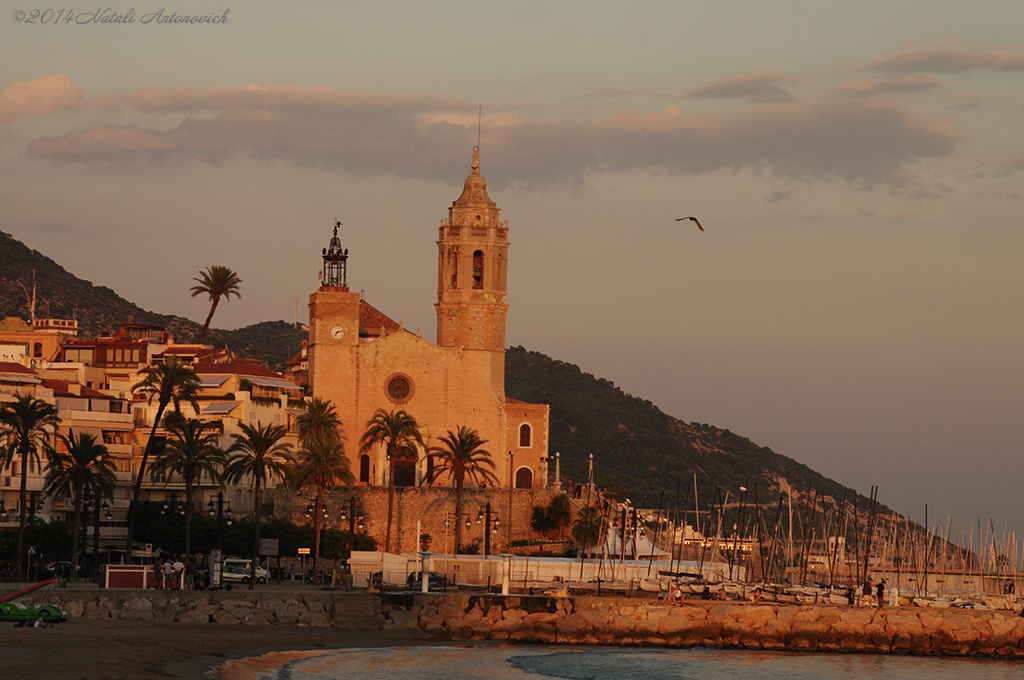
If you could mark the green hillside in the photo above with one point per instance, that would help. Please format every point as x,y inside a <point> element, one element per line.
<point>101,311</point>
<point>639,450</point>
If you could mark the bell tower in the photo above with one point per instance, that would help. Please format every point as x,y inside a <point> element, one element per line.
<point>334,330</point>
<point>472,268</point>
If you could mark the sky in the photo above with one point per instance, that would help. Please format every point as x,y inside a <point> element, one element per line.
<point>856,301</point>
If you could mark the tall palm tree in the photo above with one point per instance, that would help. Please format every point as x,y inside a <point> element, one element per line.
<point>322,464</point>
<point>396,431</point>
<point>169,382</point>
<point>193,450</point>
<point>461,454</point>
<point>84,464</point>
<point>318,420</point>
<point>260,454</point>
<point>217,282</point>
<point>28,424</point>
<point>586,530</point>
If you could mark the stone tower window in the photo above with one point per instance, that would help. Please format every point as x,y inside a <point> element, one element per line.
<point>478,269</point>
<point>524,436</point>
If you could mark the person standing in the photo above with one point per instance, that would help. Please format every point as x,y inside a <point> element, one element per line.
<point>179,571</point>
<point>158,573</point>
<point>168,574</point>
<point>866,593</point>
<point>880,592</point>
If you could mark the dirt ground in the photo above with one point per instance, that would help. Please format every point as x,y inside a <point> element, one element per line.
<point>90,649</point>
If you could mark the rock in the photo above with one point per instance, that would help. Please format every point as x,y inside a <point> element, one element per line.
<point>222,616</point>
<point>137,609</point>
<point>193,616</point>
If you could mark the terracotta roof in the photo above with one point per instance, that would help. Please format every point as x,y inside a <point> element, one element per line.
<point>61,388</point>
<point>372,320</point>
<point>11,367</point>
<point>234,367</point>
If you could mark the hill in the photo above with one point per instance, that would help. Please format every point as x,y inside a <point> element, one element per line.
<point>101,311</point>
<point>640,451</point>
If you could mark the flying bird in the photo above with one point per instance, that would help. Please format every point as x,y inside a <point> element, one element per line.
<point>680,219</point>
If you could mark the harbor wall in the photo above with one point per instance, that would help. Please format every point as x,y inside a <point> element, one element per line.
<point>636,622</point>
<point>579,620</point>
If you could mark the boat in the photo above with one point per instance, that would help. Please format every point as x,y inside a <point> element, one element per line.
<point>25,613</point>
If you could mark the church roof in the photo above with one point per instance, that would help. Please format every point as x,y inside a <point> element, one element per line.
<point>374,323</point>
<point>244,367</point>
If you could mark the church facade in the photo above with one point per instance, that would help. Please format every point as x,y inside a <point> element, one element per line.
<point>362,361</point>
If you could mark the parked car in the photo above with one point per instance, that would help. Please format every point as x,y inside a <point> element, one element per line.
<point>262,575</point>
<point>437,581</point>
<point>232,573</point>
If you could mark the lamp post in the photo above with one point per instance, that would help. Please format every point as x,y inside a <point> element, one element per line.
<point>558,472</point>
<point>511,486</point>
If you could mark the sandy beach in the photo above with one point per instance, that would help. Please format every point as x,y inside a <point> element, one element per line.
<point>89,649</point>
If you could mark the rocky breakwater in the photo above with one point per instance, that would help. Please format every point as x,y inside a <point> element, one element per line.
<point>626,621</point>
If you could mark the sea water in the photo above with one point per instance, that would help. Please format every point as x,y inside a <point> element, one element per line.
<point>509,662</point>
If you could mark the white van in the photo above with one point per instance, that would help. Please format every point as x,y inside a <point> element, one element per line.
<point>236,570</point>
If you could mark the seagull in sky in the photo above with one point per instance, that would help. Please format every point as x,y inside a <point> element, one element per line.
<point>680,219</point>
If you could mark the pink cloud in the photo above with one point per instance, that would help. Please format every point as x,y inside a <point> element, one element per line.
<point>946,60</point>
<point>918,82</point>
<point>864,141</point>
<point>39,97</point>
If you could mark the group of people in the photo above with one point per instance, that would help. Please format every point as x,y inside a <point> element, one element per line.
<point>173,574</point>
<point>871,594</point>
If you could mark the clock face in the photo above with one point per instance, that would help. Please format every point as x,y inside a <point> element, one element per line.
<point>337,332</point>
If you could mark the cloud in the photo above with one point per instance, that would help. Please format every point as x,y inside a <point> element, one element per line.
<point>864,141</point>
<point>924,194</point>
<point>946,60</point>
<point>39,97</point>
<point>778,196</point>
<point>754,87</point>
<point>908,84</point>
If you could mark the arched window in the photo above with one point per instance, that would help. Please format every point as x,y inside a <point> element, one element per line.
<point>525,436</point>
<point>37,350</point>
<point>478,269</point>
<point>405,467</point>
<point>364,469</point>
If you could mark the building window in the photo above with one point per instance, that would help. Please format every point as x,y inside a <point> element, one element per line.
<point>399,388</point>
<point>478,269</point>
<point>37,350</point>
<point>364,469</point>
<point>524,436</point>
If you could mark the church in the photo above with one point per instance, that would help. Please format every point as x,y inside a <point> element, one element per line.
<point>362,361</point>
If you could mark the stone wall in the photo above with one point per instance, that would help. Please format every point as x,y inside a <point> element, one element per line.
<point>430,505</point>
<point>625,621</point>
<point>319,608</point>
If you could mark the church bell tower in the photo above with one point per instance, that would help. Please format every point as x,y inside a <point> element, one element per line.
<point>472,267</point>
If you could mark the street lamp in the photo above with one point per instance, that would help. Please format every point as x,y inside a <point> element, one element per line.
<point>511,485</point>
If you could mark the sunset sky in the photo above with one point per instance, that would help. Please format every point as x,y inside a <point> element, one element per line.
<point>856,301</point>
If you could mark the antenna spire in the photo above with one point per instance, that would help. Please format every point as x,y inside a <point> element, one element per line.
<point>479,120</point>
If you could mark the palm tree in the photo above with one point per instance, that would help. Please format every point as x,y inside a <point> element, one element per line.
<point>321,464</point>
<point>260,454</point>
<point>28,424</point>
<point>586,530</point>
<point>194,449</point>
<point>217,282</point>
<point>318,420</point>
<point>85,464</point>
<point>461,454</point>
<point>397,431</point>
<point>170,382</point>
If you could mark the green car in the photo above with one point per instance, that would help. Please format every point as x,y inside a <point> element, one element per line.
<point>24,613</point>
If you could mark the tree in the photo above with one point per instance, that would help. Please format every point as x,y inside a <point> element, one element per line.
<point>461,454</point>
<point>84,464</point>
<point>318,419</point>
<point>216,282</point>
<point>28,424</point>
<point>258,453</point>
<point>553,517</point>
<point>398,432</point>
<point>170,382</point>
<point>193,450</point>
<point>321,464</point>
<point>586,530</point>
